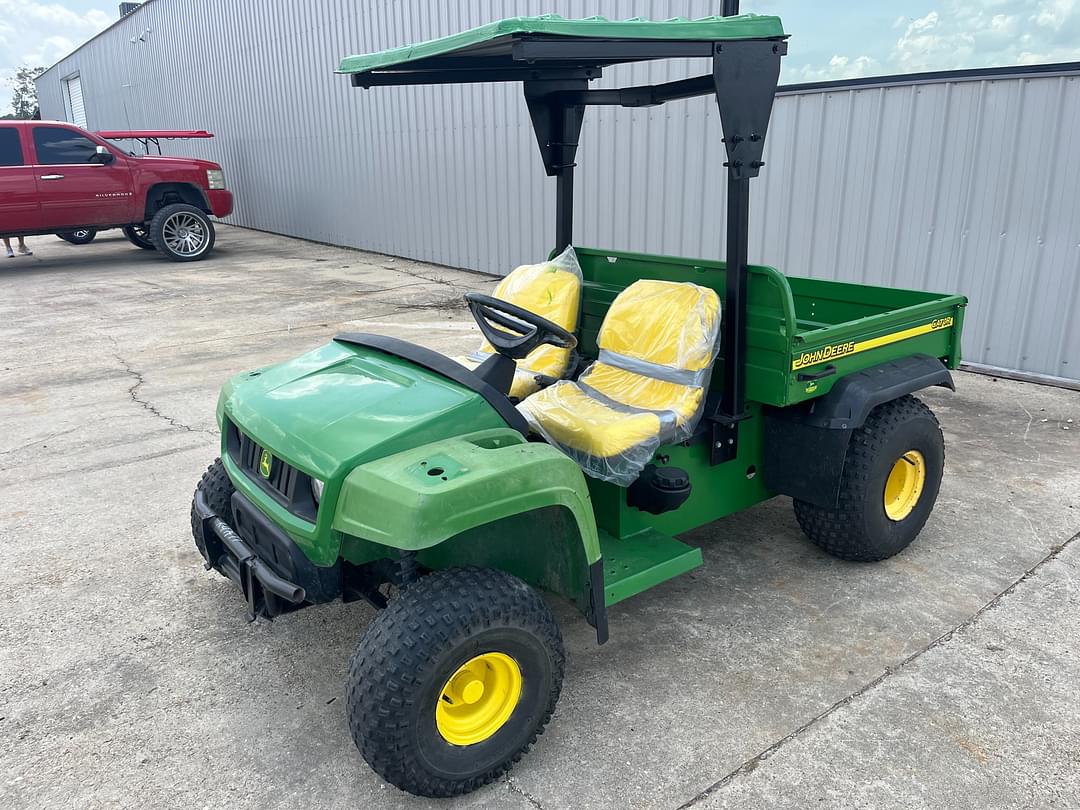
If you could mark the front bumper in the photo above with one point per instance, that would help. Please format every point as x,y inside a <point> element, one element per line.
<point>269,568</point>
<point>221,201</point>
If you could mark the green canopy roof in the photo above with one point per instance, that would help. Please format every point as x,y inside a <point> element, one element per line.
<point>496,39</point>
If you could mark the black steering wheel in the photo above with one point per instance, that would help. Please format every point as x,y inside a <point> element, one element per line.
<point>513,331</point>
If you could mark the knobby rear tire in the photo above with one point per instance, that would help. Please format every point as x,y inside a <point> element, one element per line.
<point>859,528</point>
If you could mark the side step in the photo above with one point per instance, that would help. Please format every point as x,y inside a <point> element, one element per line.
<point>637,563</point>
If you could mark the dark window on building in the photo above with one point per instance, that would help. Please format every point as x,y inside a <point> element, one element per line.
<point>57,145</point>
<point>10,150</point>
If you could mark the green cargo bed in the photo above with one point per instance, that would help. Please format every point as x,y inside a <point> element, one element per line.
<point>803,334</point>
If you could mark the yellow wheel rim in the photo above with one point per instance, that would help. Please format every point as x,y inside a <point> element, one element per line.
<point>478,699</point>
<point>905,485</point>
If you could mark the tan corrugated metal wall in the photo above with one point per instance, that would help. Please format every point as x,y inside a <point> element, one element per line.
<point>969,185</point>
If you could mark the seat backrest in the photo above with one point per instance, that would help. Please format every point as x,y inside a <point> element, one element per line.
<point>657,346</point>
<point>552,290</point>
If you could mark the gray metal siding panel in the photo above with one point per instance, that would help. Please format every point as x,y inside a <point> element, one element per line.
<point>966,186</point>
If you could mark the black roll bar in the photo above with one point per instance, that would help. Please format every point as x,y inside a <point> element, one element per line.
<point>743,80</point>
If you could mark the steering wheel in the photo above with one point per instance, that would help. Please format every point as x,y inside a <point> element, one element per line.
<point>513,331</point>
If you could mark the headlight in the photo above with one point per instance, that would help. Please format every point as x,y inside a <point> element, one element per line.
<point>317,487</point>
<point>215,179</point>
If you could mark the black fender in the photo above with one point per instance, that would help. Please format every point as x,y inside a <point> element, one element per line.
<point>161,194</point>
<point>805,444</point>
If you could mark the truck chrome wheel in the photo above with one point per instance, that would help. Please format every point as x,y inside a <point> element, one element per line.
<point>80,236</point>
<point>184,234</point>
<point>181,232</point>
<point>139,235</point>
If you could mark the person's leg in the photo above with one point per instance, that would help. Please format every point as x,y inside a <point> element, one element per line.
<point>23,249</point>
<point>7,248</point>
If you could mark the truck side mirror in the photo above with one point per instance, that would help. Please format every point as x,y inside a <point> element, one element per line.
<point>102,155</point>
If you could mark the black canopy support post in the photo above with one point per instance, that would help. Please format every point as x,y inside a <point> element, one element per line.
<point>557,126</point>
<point>732,409</point>
<point>745,75</point>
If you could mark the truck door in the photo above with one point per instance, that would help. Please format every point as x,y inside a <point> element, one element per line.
<point>76,189</point>
<point>19,209</point>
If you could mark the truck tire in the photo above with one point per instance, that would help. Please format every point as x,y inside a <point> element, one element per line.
<point>218,490</point>
<point>82,236</point>
<point>454,680</point>
<point>139,236</point>
<point>182,233</point>
<point>892,474</point>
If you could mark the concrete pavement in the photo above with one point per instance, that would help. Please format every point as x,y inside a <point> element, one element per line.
<point>774,676</point>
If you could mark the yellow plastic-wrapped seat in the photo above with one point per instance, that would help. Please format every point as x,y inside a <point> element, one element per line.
<point>552,290</point>
<point>647,388</point>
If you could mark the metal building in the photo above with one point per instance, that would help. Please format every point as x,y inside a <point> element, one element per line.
<point>961,181</point>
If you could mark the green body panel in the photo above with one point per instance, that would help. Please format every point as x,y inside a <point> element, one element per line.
<point>834,314</point>
<point>718,491</point>
<point>637,563</point>
<point>421,497</point>
<point>542,546</point>
<point>745,26</point>
<point>335,408</point>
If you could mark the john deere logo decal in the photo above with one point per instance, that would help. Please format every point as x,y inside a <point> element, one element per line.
<point>265,461</point>
<point>838,350</point>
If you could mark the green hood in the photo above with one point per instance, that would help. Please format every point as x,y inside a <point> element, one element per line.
<point>341,405</point>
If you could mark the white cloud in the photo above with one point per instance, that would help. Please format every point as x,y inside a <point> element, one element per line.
<point>959,34</point>
<point>1054,13</point>
<point>39,34</point>
<point>839,67</point>
<point>965,34</point>
<point>923,23</point>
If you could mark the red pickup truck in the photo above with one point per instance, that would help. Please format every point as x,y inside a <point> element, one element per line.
<point>58,178</point>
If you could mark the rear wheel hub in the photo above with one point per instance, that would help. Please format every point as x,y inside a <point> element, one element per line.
<point>904,486</point>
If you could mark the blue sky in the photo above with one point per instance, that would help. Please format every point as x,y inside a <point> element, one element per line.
<point>831,39</point>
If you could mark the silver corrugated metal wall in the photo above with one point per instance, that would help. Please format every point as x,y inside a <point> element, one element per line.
<point>968,185</point>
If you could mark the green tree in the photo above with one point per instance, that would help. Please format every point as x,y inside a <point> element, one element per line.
<point>24,101</point>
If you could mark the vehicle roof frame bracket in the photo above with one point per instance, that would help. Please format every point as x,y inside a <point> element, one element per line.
<point>557,125</point>
<point>745,76</point>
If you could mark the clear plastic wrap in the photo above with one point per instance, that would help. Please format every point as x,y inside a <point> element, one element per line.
<point>657,346</point>
<point>552,290</point>
<point>665,323</point>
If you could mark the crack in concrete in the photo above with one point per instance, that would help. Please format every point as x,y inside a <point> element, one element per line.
<point>149,406</point>
<point>524,794</point>
<point>752,764</point>
<point>457,302</point>
<point>413,273</point>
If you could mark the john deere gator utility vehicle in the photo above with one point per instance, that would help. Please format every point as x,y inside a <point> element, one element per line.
<point>651,395</point>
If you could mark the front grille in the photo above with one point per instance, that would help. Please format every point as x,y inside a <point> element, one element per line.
<point>285,484</point>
